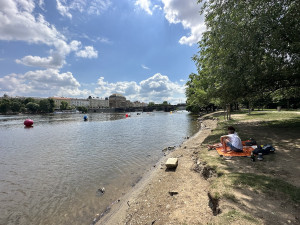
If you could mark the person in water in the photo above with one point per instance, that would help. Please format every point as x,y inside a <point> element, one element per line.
<point>231,140</point>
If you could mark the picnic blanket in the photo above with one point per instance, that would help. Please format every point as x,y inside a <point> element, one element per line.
<point>246,150</point>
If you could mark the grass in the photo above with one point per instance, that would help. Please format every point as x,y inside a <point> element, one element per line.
<point>230,178</point>
<point>265,184</point>
<point>233,215</point>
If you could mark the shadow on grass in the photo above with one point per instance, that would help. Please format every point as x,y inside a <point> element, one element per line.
<point>291,123</point>
<point>265,184</point>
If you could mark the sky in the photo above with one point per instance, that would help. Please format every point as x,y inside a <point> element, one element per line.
<point>141,49</point>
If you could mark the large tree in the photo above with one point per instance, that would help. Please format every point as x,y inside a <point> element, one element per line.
<point>47,105</point>
<point>250,49</point>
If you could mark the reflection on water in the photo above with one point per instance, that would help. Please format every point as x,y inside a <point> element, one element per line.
<point>50,173</point>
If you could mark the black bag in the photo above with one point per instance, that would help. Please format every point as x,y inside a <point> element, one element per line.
<point>251,142</point>
<point>265,150</point>
<point>268,148</point>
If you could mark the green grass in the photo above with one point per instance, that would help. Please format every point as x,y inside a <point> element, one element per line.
<point>287,123</point>
<point>228,179</point>
<point>230,196</point>
<point>233,215</point>
<point>265,184</point>
<point>267,115</point>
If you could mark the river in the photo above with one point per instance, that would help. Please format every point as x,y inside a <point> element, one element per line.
<point>50,174</point>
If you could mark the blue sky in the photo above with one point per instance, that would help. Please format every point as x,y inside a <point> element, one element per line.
<point>76,48</point>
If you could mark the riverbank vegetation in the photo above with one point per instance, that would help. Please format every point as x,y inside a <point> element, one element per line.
<point>25,105</point>
<point>248,57</point>
<point>10,105</point>
<point>260,192</point>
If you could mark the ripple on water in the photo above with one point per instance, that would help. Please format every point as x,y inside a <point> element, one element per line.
<point>50,174</point>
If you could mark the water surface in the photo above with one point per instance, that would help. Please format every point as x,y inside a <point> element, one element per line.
<point>50,174</point>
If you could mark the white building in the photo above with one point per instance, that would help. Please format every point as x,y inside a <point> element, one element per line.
<point>98,103</point>
<point>80,102</point>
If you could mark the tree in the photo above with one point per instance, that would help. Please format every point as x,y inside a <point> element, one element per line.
<point>64,105</point>
<point>4,106</point>
<point>15,106</point>
<point>248,51</point>
<point>82,109</point>
<point>27,100</point>
<point>32,107</point>
<point>46,105</point>
<point>52,105</point>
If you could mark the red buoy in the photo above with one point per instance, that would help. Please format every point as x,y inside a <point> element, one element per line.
<point>28,123</point>
<point>126,115</point>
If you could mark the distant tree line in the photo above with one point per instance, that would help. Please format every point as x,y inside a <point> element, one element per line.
<point>25,105</point>
<point>249,55</point>
<point>164,106</point>
<point>10,105</point>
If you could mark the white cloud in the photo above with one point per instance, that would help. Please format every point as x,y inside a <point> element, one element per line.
<point>42,4</point>
<point>145,5</point>
<point>51,82</point>
<point>145,67</point>
<point>36,61</point>
<point>126,88</point>
<point>45,83</point>
<point>18,23</point>
<point>63,9</point>
<point>157,88</point>
<point>91,7</point>
<point>88,52</point>
<point>186,13</point>
<point>98,6</point>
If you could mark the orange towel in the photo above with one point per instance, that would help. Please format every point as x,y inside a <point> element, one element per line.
<point>246,151</point>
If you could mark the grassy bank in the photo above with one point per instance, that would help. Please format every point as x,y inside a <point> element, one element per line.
<point>240,184</point>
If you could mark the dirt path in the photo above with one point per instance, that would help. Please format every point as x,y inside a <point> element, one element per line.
<point>151,201</point>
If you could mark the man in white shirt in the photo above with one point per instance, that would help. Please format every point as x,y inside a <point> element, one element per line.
<point>231,140</point>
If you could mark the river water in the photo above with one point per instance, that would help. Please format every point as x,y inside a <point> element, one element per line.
<point>50,174</point>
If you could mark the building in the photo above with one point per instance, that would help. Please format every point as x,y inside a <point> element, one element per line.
<point>98,103</point>
<point>117,101</point>
<point>58,100</point>
<point>139,104</point>
<point>80,102</point>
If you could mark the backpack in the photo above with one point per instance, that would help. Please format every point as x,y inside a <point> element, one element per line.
<point>265,150</point>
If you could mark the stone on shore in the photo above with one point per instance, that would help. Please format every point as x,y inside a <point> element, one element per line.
<point>172,163</point>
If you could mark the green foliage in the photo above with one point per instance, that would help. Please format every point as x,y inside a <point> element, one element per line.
<point>82,109</point>
<point>27,100</point>
<point>4,106</point>
<point>64,105</point>
<point>32,107</point>
<point>151,104</point>
<point>250,50</point>
<point>15,106</point>
<point>46,105</point>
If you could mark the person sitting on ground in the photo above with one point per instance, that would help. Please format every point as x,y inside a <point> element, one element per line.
<point>231,140</point>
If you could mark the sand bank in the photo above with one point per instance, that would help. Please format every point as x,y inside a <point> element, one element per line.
<point>168,197</point>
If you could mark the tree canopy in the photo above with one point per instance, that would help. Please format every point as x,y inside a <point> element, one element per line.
<point>249,51</point>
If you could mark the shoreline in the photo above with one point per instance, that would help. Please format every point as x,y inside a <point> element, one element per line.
<point>118,212</point>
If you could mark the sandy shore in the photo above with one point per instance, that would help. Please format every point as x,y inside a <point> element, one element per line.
<point>168,197</point>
